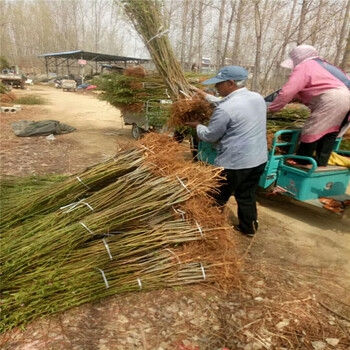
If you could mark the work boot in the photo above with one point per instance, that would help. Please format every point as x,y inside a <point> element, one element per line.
<point>247,234</point>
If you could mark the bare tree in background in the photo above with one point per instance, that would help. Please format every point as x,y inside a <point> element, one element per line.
<point>98,9</point>
<point>259,21</point>
<point>184,32</point>
<point>30,28</point>
<point>228,33</point>
<point>5,22</point>
<point>192,31</point>
<point>304,9</point>
<point>238,28</point>
<point>345,64</point>
<point>315,28</point>
<point>200,35</point>
<point>168,12</point>
<point>342,34</point>
<point>219,56</point>
<point>286,40</point>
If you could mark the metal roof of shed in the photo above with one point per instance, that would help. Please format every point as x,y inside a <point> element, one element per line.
<point>91,56</point>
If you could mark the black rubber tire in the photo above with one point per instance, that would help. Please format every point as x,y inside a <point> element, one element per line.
<point>136,132</point>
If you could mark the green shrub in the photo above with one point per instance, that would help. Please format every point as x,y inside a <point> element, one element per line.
<point>4,63</point>
<point>3,89</point>
<point>31,100</point>
<point>345,145</point>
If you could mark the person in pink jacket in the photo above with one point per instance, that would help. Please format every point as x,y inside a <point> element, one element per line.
<point>324,88</point>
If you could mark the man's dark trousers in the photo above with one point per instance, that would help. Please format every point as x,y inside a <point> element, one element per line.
<point>242,183</point>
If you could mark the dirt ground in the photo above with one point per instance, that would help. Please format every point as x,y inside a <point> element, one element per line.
<point>294,290</point>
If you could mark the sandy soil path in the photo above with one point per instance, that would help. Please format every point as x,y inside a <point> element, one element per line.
<point>99,131</point>
<point>98,124</point>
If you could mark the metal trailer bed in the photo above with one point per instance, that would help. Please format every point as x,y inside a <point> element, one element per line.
<point>150,119</point>
<point>302,183</point>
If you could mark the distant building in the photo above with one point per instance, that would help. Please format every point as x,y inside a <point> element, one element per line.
<point>207,66</point>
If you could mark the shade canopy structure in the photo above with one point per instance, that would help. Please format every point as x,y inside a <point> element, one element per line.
<point>80,58</point>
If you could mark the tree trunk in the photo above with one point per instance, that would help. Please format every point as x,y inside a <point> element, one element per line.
<point>237,40</point>
<point>183,36</point>
<point>258,33</point>
<point>345,64</point>
<point>228,35</point>
<point>286,39</point>
<point>342,34</point>
<point>316,27</point>
<point>193,21</point>
<point>304,8</point>
<point>219,56</point>
<point>200,35</point>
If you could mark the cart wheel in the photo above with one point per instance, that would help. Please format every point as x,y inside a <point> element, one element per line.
<point>136,132</point>
<point>8,86</point>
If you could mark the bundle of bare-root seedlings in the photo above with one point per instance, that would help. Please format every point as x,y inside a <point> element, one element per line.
<point>133,89</point>
<point>147,18</point>
<point>139,92</point>
<point>190,109</point>
<point>138,221</point>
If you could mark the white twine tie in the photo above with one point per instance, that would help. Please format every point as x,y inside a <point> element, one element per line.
<point>182,213</point>
<point>74,206</point>
<point>107,248</point>
<point>104,277</point>
<point>183,184</point>
<point>200,230</point>
<point>203,272</point>
<point>81,223</point>
<point>159,34</point>
<point>80,180</point>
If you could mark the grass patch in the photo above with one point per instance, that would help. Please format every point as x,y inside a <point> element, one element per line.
<point>345,145</point>
<point>31,100</point>
<point>3,88</point>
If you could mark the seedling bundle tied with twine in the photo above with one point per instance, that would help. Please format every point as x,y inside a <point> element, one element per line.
<point>146,16</point>
<point>147,19</point>
<point>138,221</point>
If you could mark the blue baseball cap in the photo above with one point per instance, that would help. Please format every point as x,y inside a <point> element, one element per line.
<point>228,73</point>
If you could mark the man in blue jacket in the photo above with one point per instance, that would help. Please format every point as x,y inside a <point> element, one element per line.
<point>238,127</point>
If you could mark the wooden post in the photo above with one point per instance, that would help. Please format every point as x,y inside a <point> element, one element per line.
<point>47,66</point>
<point>56,66</point>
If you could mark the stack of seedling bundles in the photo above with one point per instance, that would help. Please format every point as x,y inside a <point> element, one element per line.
<point>138,92</point>
<point>138,221</point>
<point>147,19</point>
<point>131,90</point>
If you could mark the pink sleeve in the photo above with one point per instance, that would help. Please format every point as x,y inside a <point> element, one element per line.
<point>296,82</point>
